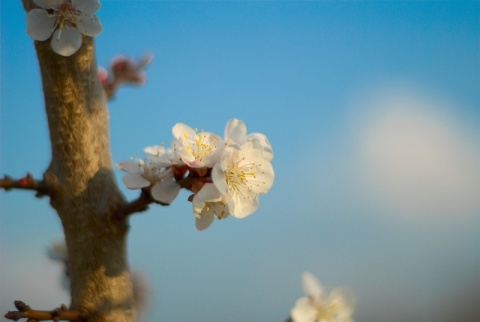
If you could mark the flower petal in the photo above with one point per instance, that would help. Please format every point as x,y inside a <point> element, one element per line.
<point>312,286</point>
<point>40,24</point>
<point>230,156</point>
<point>184,131</point>
<point>263,176</point>
<point>48,4</point>
<point>135,181</point>
<point>86,6</point>
<point>165,191</point>
<point>130,167</point>
<point>303,311</point>
<point>204,221</point>
<point>155,150</point>
<point>208,193</point>
<point>89,25</point>
<point>263,141</point>
<point>242,205</point>
<point>236,131</point>
<point>66,41</point>
<point>219,179</point>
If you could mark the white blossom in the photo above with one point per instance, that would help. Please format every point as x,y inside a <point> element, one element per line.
<point>164,157</point>
<point>209,203</point>
<point>67,20</point>
<point>242,175</point>
<point>197,149</point>
<point>141,174</point>
<point>236,133</point>
<point>318,306</point>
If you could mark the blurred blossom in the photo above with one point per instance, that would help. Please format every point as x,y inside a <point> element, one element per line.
<point>58,251</point>
<point>318,306</point>
<point>123,70</point>
<point>418,156</point>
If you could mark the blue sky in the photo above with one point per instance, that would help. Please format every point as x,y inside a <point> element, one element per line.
<point>373,112</point>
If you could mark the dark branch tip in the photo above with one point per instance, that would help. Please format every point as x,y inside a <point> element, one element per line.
<point>21,306</point>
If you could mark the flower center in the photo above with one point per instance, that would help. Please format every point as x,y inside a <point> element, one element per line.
<point>66,15</point>
<point>243,176</point>
<point>217,209</point>
<point>202,146</point>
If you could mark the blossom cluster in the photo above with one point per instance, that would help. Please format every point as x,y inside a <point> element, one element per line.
<point>123,70</point>
<point>67,20</point>
<point>226,175</point>
<point>318,306</point>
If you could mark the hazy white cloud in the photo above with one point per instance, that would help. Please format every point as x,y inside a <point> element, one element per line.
<point>416,157</point>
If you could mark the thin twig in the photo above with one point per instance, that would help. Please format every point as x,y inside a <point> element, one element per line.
<point>138,205</point>
<point>26,312</point>
<point>26,183</point>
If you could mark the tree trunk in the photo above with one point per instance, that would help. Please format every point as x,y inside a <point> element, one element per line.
<point>84,190</point>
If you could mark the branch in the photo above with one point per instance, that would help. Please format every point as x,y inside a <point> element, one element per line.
<point>138,205</point>
<point>59,314</point>
<point>26,183</point>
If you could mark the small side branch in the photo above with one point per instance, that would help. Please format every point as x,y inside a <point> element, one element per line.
<point>25,183</point>
<point>26,312</point>
<point>138,205</point>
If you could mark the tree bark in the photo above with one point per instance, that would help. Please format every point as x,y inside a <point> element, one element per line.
<point>80,175</point>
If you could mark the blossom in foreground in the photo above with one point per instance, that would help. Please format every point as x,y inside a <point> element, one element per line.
<point>318,306</point>
<point>67,20</point>
<point>197,149</point>
<point>242,175</point>
<point>209,204</point>
<point>226,177</point>
<point>141,174</point>
<point>236,133</point>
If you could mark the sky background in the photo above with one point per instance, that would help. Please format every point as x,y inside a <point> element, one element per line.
<point>373,112</point>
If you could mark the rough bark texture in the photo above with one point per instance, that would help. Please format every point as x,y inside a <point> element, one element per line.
<point>85,193</point>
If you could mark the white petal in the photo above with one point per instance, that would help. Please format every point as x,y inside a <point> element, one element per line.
<point>47,4</point>
<point>236,131</point>
<point>40,24</point>
<point>204,221</point>
<point>184,131</point>
<point>89,25</point>
<point>135,181</point>
<point>86,6</point>
<point>264,176</point>
<point>242,205</point>
<point>130,167</point>
<point>251,150</point>
<point>219,179</point>
<point>230,156</point>
<point>219,209</point>
<point>341,301</point>
<point>214,157</point>
<point>210,193</point>
<point>312,286</point>
<point>66,42</point>
<point>156,150</point>
<point>303,311</point>
<point>263,141</point>
<point>165,191</point>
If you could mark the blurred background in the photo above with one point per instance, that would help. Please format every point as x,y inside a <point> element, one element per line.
<point>373,112</point>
